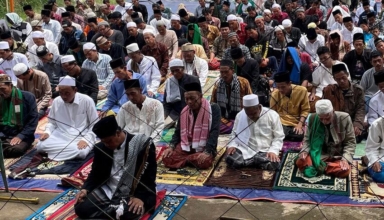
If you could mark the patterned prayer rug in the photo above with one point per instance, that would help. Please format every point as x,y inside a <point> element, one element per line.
<point>166,137</point>
<point>291,146</point>
<point>291,179</point>
<point>190,175</point>
<point>168,208</point>
<point>359,151</point>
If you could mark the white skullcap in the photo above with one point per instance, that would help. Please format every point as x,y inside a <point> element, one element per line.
<point>131,24</point>
<point>133,48</point>
<point>36,23</point>
<point>287,23</point>
<point>160,23</point>
<point>250,100</point>
<point>267,11</point>
<point>89,46</point>
<point>37,34</point>
<point>91,15</point>
<point>276,6</point>
<point>279,28</point>
<point>67,59</point>
<point>19,69</point>
<point>4,45</point>
<point>231,18</point>
<point>67,81</point>
<point>176,62</point>
<point>128,6</point>
<point>148,31</point>
<point>312,25</point>
<point>323,106</point>
<point>175,17</point>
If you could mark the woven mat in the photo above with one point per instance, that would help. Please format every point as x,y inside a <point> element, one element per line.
<point>291,146</point>
<point>291,179</point>
<point>168,208</point>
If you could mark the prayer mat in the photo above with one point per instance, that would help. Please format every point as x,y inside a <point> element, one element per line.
<point>168,208</point>
<point>291,146</point>
<point>208,87</point>
<point>244,178</point>
<point>190,175</point>
<point>40,129</point>
<point>291,179</point>
<point>79,176</point>
<point>359,151</point>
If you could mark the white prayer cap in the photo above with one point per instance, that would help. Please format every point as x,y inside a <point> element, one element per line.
<point>276,6</point>
<point>131,24</point>
<point>67,59</point>
<point>160,23</point>
<point>37,34</point>
<point>67,81</point>
<point>89,46</point>
<point>176,63</point>
<point>175,17</point>
<point>132,48</point>
<point>250,100</point>
<point>20,69</point>
<point>148,31</point>
<point>279,28</point>
<point>267,11</point>
<point>4,45</point>
<point>323,106</point>
<point>91,15</point>
<point>128,6</point>
<point>287,23</point>
<point>36,23</point>
<point>231,18</point>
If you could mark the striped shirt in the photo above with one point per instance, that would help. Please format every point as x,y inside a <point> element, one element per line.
<point>102,68</point>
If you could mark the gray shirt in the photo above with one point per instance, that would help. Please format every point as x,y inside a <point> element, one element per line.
<point>368,82</point>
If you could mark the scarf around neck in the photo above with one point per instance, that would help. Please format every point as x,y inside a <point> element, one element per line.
<point>234,101</point>
<point>12,110</point>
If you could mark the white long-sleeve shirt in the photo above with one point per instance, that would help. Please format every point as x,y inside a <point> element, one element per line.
<point>55,27</point>
<point>150,71</point>
<point>7,65</point>
<point>48,37</point>
<point>348,35</point>
<point>200,66</point>
<point>322,77</point>
<point>34,60</point>
<point>376,107</point>
<point>149,120</point>
<point>375,145</point>
<point>265,135</point>
<point>311,48</point>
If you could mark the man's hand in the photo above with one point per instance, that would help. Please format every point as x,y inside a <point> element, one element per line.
<point>273,157</point>
<point>15,141</point>
<point>231,150</point>
<point>82,144</point>
<point>44,136</point>
<point>376,167</point>
<point>136,206</point>
<point>312,97</point>
<point>344,165</point>
<point>202,157</point>
<point>303,155</point>
<point>298,129</point>
<point>101,88</point>
<point>81,195</point>
<point>358,131</point>
<point>168,152</point>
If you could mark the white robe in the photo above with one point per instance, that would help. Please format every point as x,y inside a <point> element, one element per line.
<point>376,107</point>
<point>34,59</point>
<point>7,65</point>
<point>375,145</point>
<point>150,71</point>
<point>201,67</point>
<point>68,124</point>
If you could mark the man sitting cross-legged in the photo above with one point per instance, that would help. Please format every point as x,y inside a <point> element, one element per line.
<point>328,144</point>
<point>257,137</point>
<point>375,150</point>
<point>195,138</point>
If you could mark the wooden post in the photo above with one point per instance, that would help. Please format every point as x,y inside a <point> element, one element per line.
<point>12,5</point>
<point>7,5</point>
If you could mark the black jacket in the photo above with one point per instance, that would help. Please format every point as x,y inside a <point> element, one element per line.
<point>351,59</point>
<point>88,84</point>
<point>143,10</point>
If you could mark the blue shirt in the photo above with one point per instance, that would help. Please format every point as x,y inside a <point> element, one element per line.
<point>116,94</point>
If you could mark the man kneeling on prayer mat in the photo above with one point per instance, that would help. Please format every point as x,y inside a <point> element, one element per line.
<point>228,93</point>
<point>68,134</point>
<point>18,116</point>
<point>292,104</point>
<point>257,137</point>
<point>141,114</point>
<point>328,143</point>
<point>121,184</point>
<point>195,139</point>
<point>375,150</point>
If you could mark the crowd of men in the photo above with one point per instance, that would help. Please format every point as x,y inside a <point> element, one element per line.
<point>293,70</point>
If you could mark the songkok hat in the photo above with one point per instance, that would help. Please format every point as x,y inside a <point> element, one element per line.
<point>176,63</point>
<point>282,77</point>
<point>70,8</point>
<point>67,81</point>
<point>287,23</point>
<point>42,51</point>
<point>232,34</point>
<point>250,100</point>
<point>67,59</point>
<point>48,7</point>
<point>187,47</point>
<point>224,24</point>
<point>128,6</point>
<point>92,20</point>
<point>73,44</point>
<point>105,127</point>
<point>227,3</point>
<point>132,83</point>
<point>279,28</point>
<point>334,35</point>
<point>27,7</point>
<point>371,14</point>
<point>358,36</point>
<point>4,78</point>
<point>156,11</point>
<point>226,63</point>
<point>201,19</point>
<point>335,12</point>
<point>160,23</point>
<point>20,69</point>
<point>175,17</point>
<point>300,10</point>
<point>182,41</point>
<point>116,63</point>
<point>37,34</point>
<point>89,46</point>
<point>66,23</point>
<point>231,17</point>
<point>149,31</point>
<point>312,25</point>
<point>236,53</point>
<point>46,12</point>
<point>65,14</point>
<point>323,106</point>
<point>5,35</point>
<point>365,3</point>
<point>101,40</point>
<point>347,19</point>
<point>379,77</point>
<point>4,45</point>
<point>131,24</point>
<point>138,21</point>
<point>378,40</point>
<point>339,67</point>
<point>115,15</point>
<point>194,86</point>
<point>182,13</point>
<point>267,11</point>
<point>292,44</point>
<point>311,34</point>
<point>36,23</point>
<point>132,48</point>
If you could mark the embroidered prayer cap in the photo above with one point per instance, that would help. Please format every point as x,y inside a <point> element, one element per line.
<point>175,17</point>
<point>228,63</point>
<point>358,36</point>
<point>118,62</point>
<point>282,77</point>
<point>4,78</point>
<point>46,13</point>
<point>27,7</point>
<point>115,15</point>
<point>37,23</point>
<point>105,127</point>
<point>20,69</point>
<point>131,24</point>
<point>101,40</point>
<point>182,13</point>
<point>4,45</point>
<point>128,6</point>
<point>5,35</point>
<point>379,77</point>
<point>187,47</point>
<point>231,18</point>
<point>42,51</point>
<point>236,53</point>
<point>132,48</point>
<point>224,24</point>
<point>338,68</point>
<point>194,86</point>
<point>300,10</point>
<point>365,3</point>
<point>89,46</point>
<point>287,23</point>
<point>201,19</point>
<point>67,59</point>
<point>232,34</point>
<point>132,83</point>
<point>378,40</point>
<point>176,63</point>
<point>347,19</point>
<point>323,106</point>
<point>311,34</point>
<point>37,34</point>
<point>67,81</point>
<point>250,100</point>
<point>148,31</point>
<point>335,12</point>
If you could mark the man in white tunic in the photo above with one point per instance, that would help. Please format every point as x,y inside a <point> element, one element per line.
<point>193,65</point>
<point>141,115</point>
<point>257,137</point>
<point>375,150</point>
<point>68,134</point>
<point>39,40</point>
<point>376,104</point>
<point>9,59</point>
<point>349,30</point>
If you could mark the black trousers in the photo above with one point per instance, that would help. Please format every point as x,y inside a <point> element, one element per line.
<point>290,135</point>
<point>259,161</point>
<point>17,150</point>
